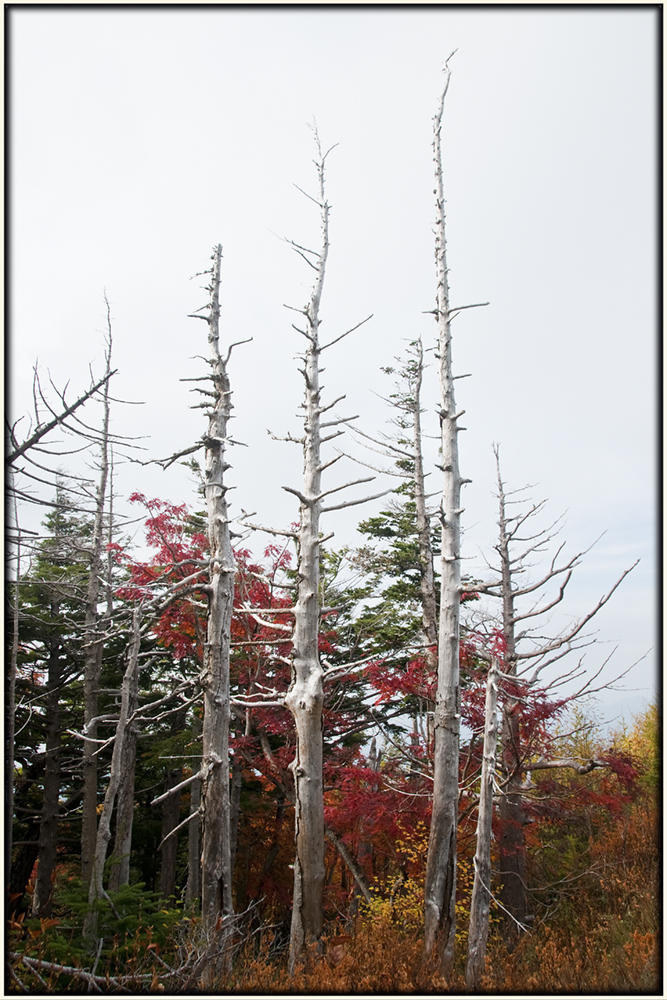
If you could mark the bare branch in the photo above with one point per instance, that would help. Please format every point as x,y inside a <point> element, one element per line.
<point>351,330</point>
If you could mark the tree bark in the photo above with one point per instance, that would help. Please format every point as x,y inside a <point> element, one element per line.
<point>217,905</point>
<point>305,696</point>
<point>440,888</point>
<point>480,902</point>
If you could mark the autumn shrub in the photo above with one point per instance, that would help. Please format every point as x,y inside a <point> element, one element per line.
<point>603,937</point>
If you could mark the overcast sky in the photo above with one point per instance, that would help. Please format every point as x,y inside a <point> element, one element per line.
<point>140,137</point>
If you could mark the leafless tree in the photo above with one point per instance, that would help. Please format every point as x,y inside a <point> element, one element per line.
<point>30,460</point>
<point>216,877</point>
<point>528,657</point>
<point>309,671</point>
<point>93,642</point>
<point>58,417</point>
<point>440,886</point>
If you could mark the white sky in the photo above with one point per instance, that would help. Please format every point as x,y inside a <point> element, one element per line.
<point>138,138</point>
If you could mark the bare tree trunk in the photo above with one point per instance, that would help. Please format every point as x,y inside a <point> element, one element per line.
<point>305,695</point>
<point>217,905</point>
<point>48,828</point>
<point>440,888</point>
<point>479,905</point>
<point>129,688</point>
<point>93,645</point>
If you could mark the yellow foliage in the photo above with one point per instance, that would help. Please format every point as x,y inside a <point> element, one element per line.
<point>399,897</point>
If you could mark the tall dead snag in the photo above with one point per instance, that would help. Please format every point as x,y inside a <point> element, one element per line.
<point>527,654</point>
<point>304,698</point>
<point>440,887</point>
<point>93,644</point>
<point>305,695</point>
<point>216,877</point>
<point>481,890</point>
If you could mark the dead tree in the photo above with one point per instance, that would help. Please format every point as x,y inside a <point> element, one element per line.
<point>27,471</point>
<point>216,878</point>
<point>526,658</point>
<point>440,886</point>
<point>481,891</point>
<point>19,449</point>
<point>93,644</point>
<point>304,698</point>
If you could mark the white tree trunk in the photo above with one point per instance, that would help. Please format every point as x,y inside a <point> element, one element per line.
<point>216,883</point>
<point>440,888</point>
<point>479,906</point>
<point>305,696</point>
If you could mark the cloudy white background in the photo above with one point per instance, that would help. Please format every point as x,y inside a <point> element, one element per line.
<point>140,137</point>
